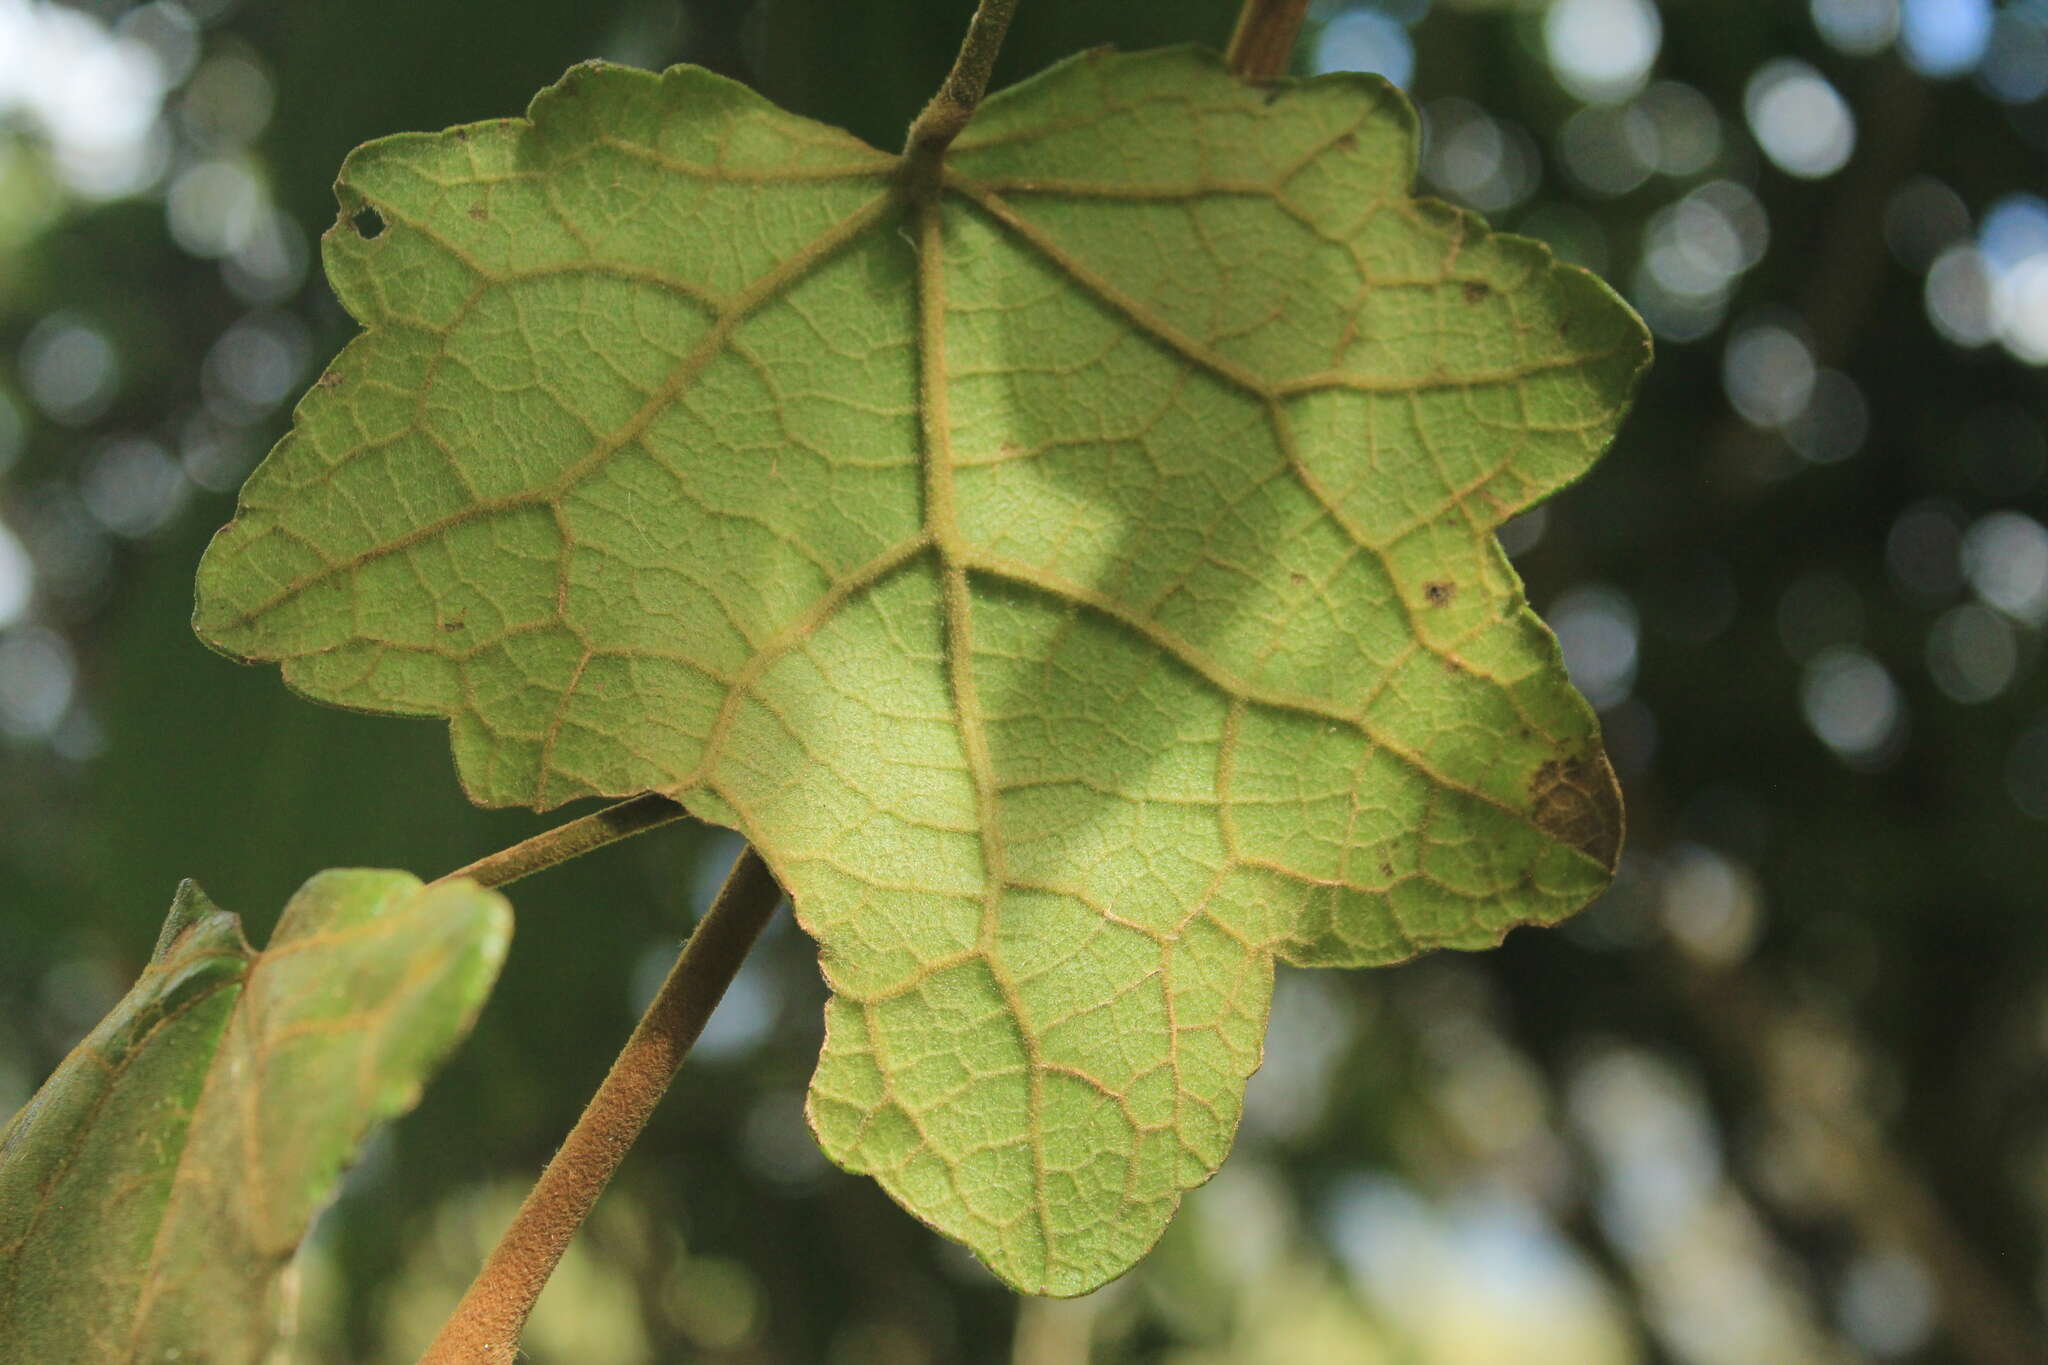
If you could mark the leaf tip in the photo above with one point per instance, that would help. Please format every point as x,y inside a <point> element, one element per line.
<point>190,907</point>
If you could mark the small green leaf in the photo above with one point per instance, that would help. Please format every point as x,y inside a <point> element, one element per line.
<point>1081,586</point>
<point>152,1192</point>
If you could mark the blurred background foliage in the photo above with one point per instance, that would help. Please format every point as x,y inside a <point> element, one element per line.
<point>1778,1098</point>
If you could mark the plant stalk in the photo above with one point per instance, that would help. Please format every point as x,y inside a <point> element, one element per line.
<point>933,130</point>
<point>572,840</point>
<point>1263,42</point>
<point>486,1325</point>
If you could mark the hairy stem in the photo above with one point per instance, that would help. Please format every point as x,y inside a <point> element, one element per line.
<point>932,131</point>
<point>1263,42</point>
<point>486,1325</point>
<point>573,840</point>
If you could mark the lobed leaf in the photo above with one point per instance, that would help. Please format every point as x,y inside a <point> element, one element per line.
<point>1081,587</point>
<point>155,1188</point>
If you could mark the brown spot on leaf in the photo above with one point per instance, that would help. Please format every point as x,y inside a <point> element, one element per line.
<point>453,624</point>
<point>1476,291</point>
<point>1439,594</point>
<point>331,379</point>
<point>479,212</point>
<point>1347,141</point>
<point>1577,802</point>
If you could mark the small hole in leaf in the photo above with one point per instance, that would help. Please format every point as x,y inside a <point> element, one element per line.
<point>367,222</point>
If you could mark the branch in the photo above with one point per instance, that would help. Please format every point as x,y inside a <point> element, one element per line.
<point>572,840</point>
<point>485,1327</point>
<point>932,131</point>
<point>1263,43</point>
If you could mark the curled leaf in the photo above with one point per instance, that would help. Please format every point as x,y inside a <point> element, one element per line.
<point>155,1188</point>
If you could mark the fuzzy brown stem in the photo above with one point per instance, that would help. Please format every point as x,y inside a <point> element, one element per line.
<point>933,130</point>
<point>1263,43</point>
<point>486,1325</point>
<point>572,840</point>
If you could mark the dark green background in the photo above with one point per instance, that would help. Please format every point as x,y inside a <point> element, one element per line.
<point>1858,1095</point>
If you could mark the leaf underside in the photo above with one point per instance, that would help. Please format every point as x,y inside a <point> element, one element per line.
<point>153,1191</point>
<point>1082,587</point>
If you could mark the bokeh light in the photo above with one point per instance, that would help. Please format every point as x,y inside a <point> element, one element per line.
<point>1972,653</point>
<point>1769,373</point>
<point>1687,130</point>
<point>132,486</point>
<point>91,94</point>
<point>1475,159</point>
<point>1857,28</point>
<point>1799,119</point>
<point>1610,150</point>
<point>1366,39</point>
<point>1694,252</point>
<point>17,577</point>
<point>1602,50</point>
<point>1710,904</point>
<point>2005,559</point>
<point>1835,421</point>
<point>1887,1302</point>
<point>69,369</point>
<point>1598,628</point>
<point>1961,299</point>
<point>1853,705</point>
<point>37,674</point>
<point>1942,38</point>
<point>2014,69</point>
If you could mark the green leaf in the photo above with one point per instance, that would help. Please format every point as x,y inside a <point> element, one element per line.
<point>152,1192</point>
<point>1081,587</point>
